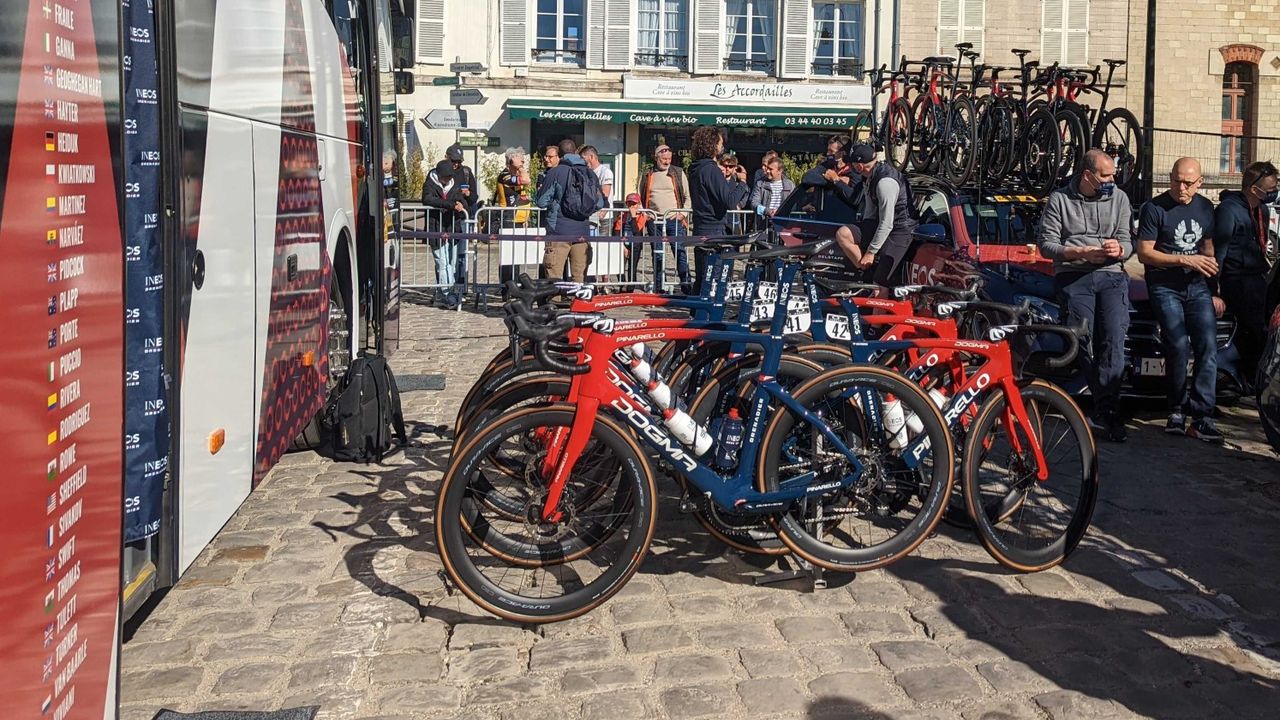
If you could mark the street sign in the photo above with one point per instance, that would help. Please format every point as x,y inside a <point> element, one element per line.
<point>479,141</point>
<point>467,96</point>
<point>446,119</point>
<point>445,81</point>
<point>467,67</point>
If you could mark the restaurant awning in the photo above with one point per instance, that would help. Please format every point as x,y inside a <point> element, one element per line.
<point>656,113</point>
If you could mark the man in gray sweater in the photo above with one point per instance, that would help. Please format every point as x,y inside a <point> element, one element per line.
<point>1086,230</point>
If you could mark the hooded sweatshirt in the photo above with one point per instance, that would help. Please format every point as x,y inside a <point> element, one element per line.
<point>712,196</point>
<point>1240,236</point>
<point>1072,220</point>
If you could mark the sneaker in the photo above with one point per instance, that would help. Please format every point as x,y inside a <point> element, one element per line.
<point>1176,424</point>
<point>1110,427</point>
<point>1204,429</point>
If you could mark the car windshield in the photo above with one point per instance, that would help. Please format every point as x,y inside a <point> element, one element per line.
<point>821,204</point>
<point>1001,222</point>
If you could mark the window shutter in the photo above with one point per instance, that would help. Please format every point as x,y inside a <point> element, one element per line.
<point>619,39</point>
<point>708,18</point>
<point>514,17</point>
<point>973,23</point>
<point>797,24</point>
<point>431,31</point>
<point>948,26</point>
<point>595,33</point>
<point>1076,45</point>
<point>1051,36</point>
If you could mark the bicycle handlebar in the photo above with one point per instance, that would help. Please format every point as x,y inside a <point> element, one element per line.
<point>1071,334</point>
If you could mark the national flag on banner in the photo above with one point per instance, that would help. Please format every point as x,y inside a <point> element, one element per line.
<point>49,538</point>
<point>48,74</point>
<point>50,170</point>
<point>52,472</point>
<point>50,141</point>
<point>50,569</point>
<point>46,671</point>
<point>48,602</point>
<point>52,505</point>
<point>53,339</point>
<point>44,706</point>
<point>51,236</point>
<point>46,43</point>
<point>53,437</point>
<point>52,270</point>
<point>53,304</point>
<point>51,204</point>
<point>52,377</point>
<point>48,634</point>
<point>50,109</point>
<point>48,11</point>
<point>53,401</point>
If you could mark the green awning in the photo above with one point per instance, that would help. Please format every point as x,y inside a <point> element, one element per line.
<point>651,113</point>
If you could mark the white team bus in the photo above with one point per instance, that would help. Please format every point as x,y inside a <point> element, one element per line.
<point>281,262</point>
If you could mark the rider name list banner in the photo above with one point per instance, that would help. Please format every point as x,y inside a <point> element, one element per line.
<point>62,385</point>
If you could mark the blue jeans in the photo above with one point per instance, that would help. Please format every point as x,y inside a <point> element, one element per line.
<point>1099,299</point>
<point>1188,329</point>
<point>445,255</point>
<point>670,228</point>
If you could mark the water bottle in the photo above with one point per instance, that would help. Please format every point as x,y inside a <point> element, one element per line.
<point>642,351</point>
<point>914,426</point>
<point>895,422</point>
<point>662,396</point>
<point>642,370</point>
<point>687,430</point>
<point>728,438</point>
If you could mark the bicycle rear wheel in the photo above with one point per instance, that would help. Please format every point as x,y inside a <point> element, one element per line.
<point>1120,136</point>
<point>896,133</point>
<point>1075,142</point>
<point>587,555</point>
<point>924,134</point>
<point>1041,152</point>
<point>890,507</point>
<point>960,147</point>
<point>1027,524</point>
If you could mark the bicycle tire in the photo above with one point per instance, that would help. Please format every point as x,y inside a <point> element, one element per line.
<point>1120,136</point>
<point>816,394</point>
<point>924,132</point>
<point>998,513</point>
<point>1041,152</point>
<point>487,385</point>
<point>997,140</point>
<point>960,146</point>
<point>451,536</point>
<point>863,128</point>
<point>897,132</point>
<point>1075,142</point>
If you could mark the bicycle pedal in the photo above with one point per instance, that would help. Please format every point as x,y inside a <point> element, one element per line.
<point>688,506</point>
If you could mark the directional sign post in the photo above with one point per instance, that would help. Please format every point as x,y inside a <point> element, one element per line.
<point>466,96</point>
<point>446,119</point>
<point>467,67</point>
<point>446,80</point>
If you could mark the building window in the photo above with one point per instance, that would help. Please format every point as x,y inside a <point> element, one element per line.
<point>837,38</point>
<point>1237,116</point>
<point>1064,37</point>
<point>959,21</point>
<point>662,38</point>
<point>750,35</point>
<point>560,36</point>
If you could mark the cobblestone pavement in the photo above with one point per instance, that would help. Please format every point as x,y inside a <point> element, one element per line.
<point>323,590</point>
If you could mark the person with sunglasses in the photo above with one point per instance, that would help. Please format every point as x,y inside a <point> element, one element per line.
<point>1244,251</point>
<point>1175,245</point>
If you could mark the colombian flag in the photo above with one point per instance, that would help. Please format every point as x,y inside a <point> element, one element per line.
<point>53,401</point>
<point>53,437</point>
<point>50,141</point>
<point>51,204</point>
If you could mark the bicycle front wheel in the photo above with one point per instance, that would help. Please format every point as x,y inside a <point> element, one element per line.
<point>1120,136</point>
<point>1025,523</point>
<point>566,566</point>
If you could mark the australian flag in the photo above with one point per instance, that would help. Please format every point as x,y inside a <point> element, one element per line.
<point>53,304</point>
<point>53,339</point>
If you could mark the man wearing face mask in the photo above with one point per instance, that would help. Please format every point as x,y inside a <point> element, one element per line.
<point>1241,249</point>
<point>888,219</point>
<point>1085,230</point>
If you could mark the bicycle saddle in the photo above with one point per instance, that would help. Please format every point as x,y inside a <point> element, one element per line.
<point>791,252</point>
<point>1020,52</point>
<point>839,286</point>
<point>1115,63</point>
<point>939,60</point>
<point>826,262</point>
<point>964,46</point>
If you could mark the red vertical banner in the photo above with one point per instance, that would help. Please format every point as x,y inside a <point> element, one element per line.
<point>62,353</point>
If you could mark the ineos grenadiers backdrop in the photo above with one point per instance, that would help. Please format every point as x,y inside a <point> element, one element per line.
<point>146,439</point>
<point>61,257</point>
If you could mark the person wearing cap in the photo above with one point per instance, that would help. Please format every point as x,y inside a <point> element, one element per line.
<point>441,192</point>
<point>665,189</point>
<point>888,219</point>
<point>633,223</point>
<point>462,175</point>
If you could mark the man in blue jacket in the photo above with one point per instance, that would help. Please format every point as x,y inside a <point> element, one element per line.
<point>711,194</point>
<point>551,195</point>
<point>1242,247</point>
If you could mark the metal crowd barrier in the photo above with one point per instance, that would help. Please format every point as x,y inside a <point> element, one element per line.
<point>425,264</point>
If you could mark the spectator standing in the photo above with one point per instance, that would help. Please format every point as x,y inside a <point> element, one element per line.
<point>441,192</point>
<point>665,189</point>
<point>888,216</point>
<point>514,182</point>
<point>1175,244</point>
<point>633,223</point>
<point>1084,229</point>
<point>733,170</point>
<point>1241,227</point>
<point>604,175</point>
<point>770,190</point>
<point>550,160</point>
<point>565,189</point>
<point>711,193</point>
<point>763,170</point>
<point>463,176</point>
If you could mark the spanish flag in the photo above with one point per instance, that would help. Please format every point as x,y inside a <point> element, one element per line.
<point>51,204</point>
<point>53,437</point>
<point>50,141</point>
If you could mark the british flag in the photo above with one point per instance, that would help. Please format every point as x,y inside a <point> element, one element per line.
<point>53,272</point>
<point>49,109</point>
<point>50,569</point>
<point>48,74</point>
<point>48,634</point>
<point>47,670</point>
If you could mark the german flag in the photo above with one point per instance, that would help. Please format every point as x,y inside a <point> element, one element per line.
<point>50,141</point>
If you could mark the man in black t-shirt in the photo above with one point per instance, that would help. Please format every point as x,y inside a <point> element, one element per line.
<point>1175,243</point>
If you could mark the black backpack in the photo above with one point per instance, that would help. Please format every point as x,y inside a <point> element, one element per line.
<point>582,196</point>
<point>361,414</point>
